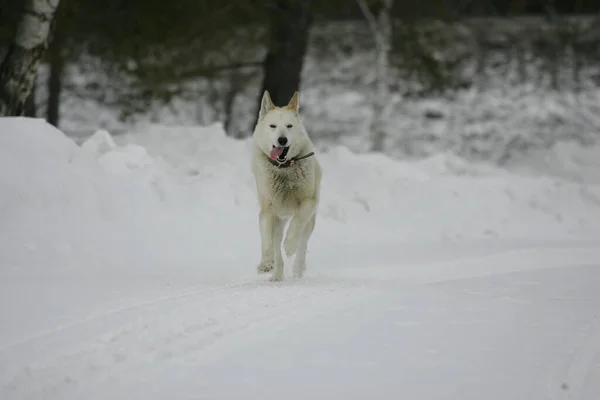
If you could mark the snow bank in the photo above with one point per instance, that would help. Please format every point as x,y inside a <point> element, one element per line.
<point>64,205</point>
<point>373,197</point>
<point>57,200</point>
<point>184,196</point>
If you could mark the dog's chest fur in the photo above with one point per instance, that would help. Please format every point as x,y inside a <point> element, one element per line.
<point>288,182</point>
<point>283,189</point>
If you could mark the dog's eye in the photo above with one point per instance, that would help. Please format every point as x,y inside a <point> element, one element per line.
<point>289,126</point>
<point>273,126</point>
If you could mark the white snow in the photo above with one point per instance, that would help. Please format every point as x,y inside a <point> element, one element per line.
<point>127,271</point>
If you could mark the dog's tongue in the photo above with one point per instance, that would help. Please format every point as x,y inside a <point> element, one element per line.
<point>276,152</point>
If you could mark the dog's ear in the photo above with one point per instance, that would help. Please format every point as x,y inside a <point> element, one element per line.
<point>293,104</point>
<point>266,105</point>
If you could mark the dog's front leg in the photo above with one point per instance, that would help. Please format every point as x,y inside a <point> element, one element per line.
<point>266,221</point>
<point>300,261</point>
<point>278,225</point>
<point>297,225</point>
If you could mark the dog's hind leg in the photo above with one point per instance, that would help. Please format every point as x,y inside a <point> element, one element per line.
<point>297,226</point>
<point>300,260</point>
<point>278,225</point>
<point>266,221</point>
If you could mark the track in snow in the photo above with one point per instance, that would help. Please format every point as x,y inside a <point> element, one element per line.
<point>517,324</point>
<point>168,330</point>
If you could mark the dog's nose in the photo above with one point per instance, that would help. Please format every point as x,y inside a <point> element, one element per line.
<point>282,140</point>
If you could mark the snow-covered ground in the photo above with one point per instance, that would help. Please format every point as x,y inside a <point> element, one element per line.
<point>127,271</point>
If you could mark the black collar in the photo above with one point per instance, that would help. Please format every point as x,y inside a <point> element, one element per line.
<point>290,162</point>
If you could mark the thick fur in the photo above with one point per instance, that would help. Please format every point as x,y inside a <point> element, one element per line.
<point>284,193</point>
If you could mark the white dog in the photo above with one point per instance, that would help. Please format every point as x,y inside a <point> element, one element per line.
<point>288,180</point>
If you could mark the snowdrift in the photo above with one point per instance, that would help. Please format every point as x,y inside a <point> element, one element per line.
<point>183,197</point>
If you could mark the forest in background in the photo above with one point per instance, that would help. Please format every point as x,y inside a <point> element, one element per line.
<point>137,54</point>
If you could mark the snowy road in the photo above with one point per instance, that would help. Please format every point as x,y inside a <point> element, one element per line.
<point>130,274</point>
<point>460,321</point>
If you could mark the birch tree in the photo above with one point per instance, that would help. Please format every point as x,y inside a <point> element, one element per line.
<point>381,28</point>
<point>19,67</point>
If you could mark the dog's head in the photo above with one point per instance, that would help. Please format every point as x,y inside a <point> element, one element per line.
<point>279,132</point>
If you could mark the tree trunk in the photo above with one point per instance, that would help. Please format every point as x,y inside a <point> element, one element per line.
<point>19,67</point>
<point>237,80</point>
<point>290,21</point>
<point>56,63</point>
<point>553,58</point>
<point>384,45</point>
<point>521,52</point>
<point>381,28</point>
<point>228,109</point>
<point>30,103</point>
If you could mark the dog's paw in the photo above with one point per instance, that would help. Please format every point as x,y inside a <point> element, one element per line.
<point>265,266</point>
<point>276,277</point>
<point>299,270</point>
<point>290,245</point>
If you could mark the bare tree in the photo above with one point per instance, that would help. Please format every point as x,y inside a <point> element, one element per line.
<point>381,27</point>
<point>19,67</point>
